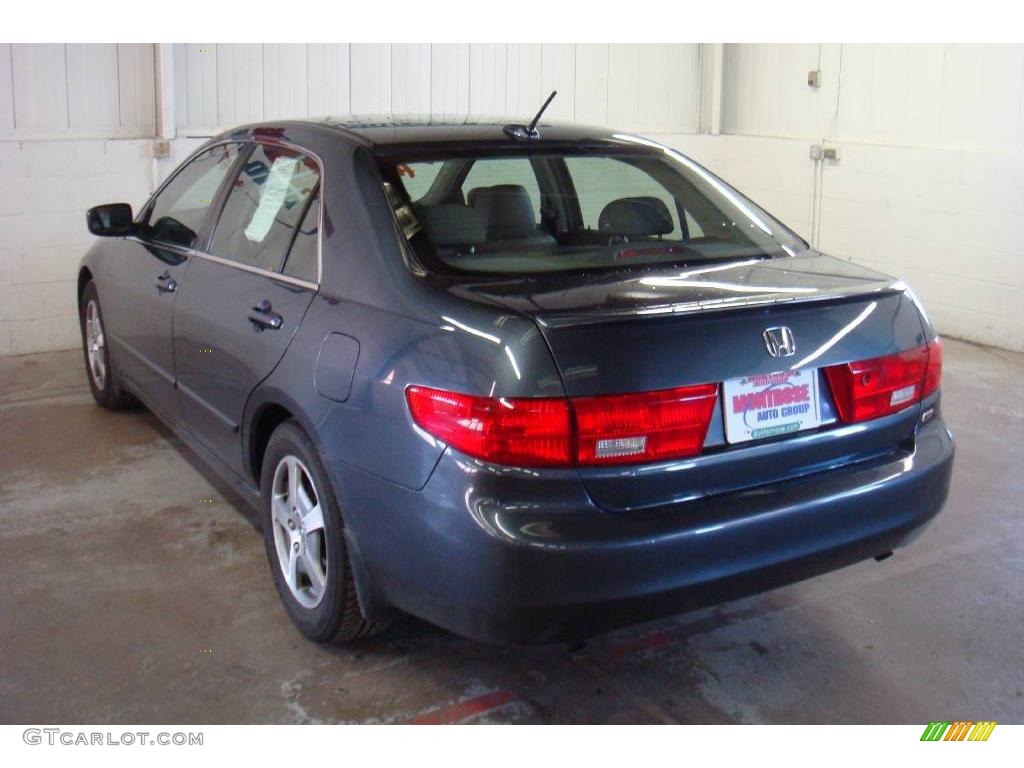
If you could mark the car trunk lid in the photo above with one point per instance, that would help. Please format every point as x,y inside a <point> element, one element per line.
<point>658,329</point>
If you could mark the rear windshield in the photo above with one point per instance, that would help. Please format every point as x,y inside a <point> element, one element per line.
<point>574,210</point>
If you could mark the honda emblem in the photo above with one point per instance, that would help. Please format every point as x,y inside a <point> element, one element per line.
<point>780,341</point>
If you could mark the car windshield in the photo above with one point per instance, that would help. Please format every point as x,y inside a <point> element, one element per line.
<point>574,209</point>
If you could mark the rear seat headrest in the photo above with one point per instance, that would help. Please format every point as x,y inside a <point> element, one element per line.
<point>508,210</point>
<point>451,224</point>
<point>636,217</point>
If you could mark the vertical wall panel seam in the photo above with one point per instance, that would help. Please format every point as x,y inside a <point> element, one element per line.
<point>117,68</point>
<point>471,76</point>
<point>572,91</point>
<point>942,86</point>
<point>67,89</point>
<point>14,101</point>
<point>607,78</point>
<point>839,88</point>
<point>309,80</point>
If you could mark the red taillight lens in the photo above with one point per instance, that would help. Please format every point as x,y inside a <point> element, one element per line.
<point>539,432</point>
<point>649,426</point>
<point>524,432</point>
<point>868,389</point>
<point>933,374</point>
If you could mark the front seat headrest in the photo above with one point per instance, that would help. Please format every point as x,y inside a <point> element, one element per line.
<point>636,217</point>
<point>508,210</point>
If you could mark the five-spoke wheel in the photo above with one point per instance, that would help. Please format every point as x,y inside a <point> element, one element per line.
<point>306,541</point>
<point>95,345</point>
<point>299,535</point>
<point>104,382</point>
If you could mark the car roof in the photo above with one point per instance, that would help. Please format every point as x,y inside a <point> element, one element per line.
<point>398,129</point>
<point>387,134</point>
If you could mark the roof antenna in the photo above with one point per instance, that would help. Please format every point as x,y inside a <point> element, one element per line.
<point>527,132</point>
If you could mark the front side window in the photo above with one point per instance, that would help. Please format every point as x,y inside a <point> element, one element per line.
<point>581,208</point>
<point>265,207</point>
<point>178,212</point>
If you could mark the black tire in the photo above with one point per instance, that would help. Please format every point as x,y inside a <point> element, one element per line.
<point>337,617</point>
<point>106,388</point>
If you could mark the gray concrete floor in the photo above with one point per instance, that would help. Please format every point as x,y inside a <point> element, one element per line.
<point>134,588</point>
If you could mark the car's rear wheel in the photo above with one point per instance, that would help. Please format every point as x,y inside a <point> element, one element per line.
<point>304,537</point>
<point>103,381</point>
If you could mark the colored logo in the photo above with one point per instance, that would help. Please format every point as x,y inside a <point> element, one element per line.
<point>960,730</point>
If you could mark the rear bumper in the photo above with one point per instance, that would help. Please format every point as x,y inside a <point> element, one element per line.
<point>503,556</point>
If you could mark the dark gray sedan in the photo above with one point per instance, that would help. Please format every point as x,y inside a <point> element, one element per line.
<point>525,383</point>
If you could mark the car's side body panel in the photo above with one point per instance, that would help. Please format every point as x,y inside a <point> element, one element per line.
<point>220,354</point>
<point>133,280</point>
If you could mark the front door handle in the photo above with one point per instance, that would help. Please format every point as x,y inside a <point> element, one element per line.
<point>166,284</point>
<point>265,317</point>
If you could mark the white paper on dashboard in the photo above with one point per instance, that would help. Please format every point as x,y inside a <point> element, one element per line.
<point>271,198</point>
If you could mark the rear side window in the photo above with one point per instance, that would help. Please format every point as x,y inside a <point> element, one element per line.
<point>304,256</point>
<point>265,207</point>
<point>179,211</point>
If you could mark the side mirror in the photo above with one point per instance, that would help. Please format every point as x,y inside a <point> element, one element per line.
<point>111,220</point>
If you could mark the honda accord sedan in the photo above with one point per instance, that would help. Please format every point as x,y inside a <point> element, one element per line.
<point>528,384</point>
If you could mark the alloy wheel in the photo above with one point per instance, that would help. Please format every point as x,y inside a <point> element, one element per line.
<point>95,345</point>
<point>299,535</point>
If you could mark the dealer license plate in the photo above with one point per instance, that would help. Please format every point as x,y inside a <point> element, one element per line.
<point>770,404</point>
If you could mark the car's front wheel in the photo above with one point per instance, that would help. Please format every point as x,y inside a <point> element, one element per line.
<point>103,382</point>
<point>303,533</point>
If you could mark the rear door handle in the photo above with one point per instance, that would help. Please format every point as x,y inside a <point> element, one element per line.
<point>263,316</point>
<point>166,284</point>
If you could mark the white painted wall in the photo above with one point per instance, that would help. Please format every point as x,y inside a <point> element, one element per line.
<point>929,184</point>
<point>636,87</point>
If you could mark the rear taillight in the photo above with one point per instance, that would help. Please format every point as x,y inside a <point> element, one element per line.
<point>933,374</point>
<point>558,432</point>
<point>868,389</point>
<point>524,432</point>
<point>650,426</point>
